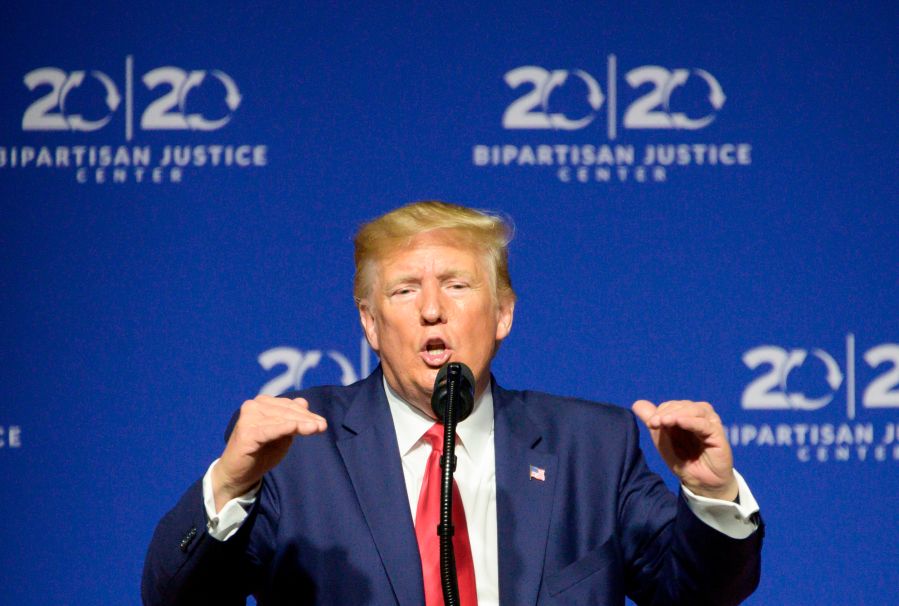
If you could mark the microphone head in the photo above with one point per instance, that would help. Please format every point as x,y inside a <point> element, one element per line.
<point>461,375</point>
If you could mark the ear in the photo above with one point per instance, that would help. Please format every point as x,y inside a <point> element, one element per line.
<point>367,318</point>
<point>505,313</point>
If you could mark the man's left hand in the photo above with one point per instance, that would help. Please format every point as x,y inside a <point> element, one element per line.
<point>691,439</point>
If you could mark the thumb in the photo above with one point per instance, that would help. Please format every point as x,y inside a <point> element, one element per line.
<point>644,409</point>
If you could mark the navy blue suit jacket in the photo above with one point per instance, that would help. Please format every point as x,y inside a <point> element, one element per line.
<point>332,524</point>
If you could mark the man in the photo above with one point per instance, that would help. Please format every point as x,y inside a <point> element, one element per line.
<point>309,502</point>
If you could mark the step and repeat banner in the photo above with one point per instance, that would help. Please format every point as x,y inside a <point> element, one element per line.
<point>704,201</point>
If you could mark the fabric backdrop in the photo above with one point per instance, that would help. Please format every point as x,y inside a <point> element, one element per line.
<point>705,206</point>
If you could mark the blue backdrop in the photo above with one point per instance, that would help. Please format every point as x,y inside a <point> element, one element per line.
<point>705,206</point>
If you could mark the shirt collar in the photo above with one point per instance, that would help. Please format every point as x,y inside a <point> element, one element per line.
<point>411,423</point>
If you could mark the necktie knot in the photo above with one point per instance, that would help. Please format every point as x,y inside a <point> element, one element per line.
<point>434,437</point>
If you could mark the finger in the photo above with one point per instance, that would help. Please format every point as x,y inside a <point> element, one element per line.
<point>665,410</point>
<point>645,410</point>
<point>302,417</point>
<point>285,409</point>
<point>687,409</point>
<point>264,434</point>
<point>674,412</point>
<point>266,400</point>
<point>697,425</point>
<point>654,420</point>
<point>264,397</point>
<point>271,432</point>
<point>670,404</point>
<point>310,426</point>
<point>700,407</point>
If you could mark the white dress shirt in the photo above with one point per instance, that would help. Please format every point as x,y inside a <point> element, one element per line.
<point>476,478</point>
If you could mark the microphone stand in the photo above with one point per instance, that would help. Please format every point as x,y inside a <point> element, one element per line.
<point>448,465</point>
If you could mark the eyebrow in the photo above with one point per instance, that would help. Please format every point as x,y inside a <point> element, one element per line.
<point>405,279</point>
<point>449,274</point>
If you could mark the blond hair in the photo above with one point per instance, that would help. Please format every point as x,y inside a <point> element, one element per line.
<point>483,231</point>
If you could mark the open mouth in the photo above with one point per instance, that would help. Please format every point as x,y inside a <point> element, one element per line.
<point>435,352</point>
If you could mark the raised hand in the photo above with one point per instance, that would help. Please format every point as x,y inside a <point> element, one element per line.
<point>260,439</point>
<point>691,439</point>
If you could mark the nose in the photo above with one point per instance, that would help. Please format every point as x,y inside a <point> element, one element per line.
<point>432,309</point>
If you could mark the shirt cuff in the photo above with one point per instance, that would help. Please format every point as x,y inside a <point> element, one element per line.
<point>225,523</point>
<point>737,520</point>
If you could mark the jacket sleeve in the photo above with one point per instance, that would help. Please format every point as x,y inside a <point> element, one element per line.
<point>678,559</point>
<point>184,565</point>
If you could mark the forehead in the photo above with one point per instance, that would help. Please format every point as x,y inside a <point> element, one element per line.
<point>432,252</point>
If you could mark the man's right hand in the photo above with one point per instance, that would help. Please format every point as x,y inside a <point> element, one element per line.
<point>260,439</point>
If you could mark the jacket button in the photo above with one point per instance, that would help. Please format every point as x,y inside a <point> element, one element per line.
<point>188,538</point>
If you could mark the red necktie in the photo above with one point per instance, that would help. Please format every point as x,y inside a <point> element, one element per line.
<point>426,520</point>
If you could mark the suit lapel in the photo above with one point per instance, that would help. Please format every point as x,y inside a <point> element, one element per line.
<point>367,442</point>
<point>523,505</point>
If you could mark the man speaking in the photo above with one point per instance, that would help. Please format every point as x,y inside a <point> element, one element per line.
<point>327,496</point>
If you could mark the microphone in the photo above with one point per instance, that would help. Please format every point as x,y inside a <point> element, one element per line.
<point>460,376</point>
<point>452,401</point>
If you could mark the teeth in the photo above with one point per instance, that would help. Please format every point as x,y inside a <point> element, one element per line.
<point>437,351</point>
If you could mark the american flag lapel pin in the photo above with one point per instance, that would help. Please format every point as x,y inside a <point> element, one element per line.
<point>538,473</point>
